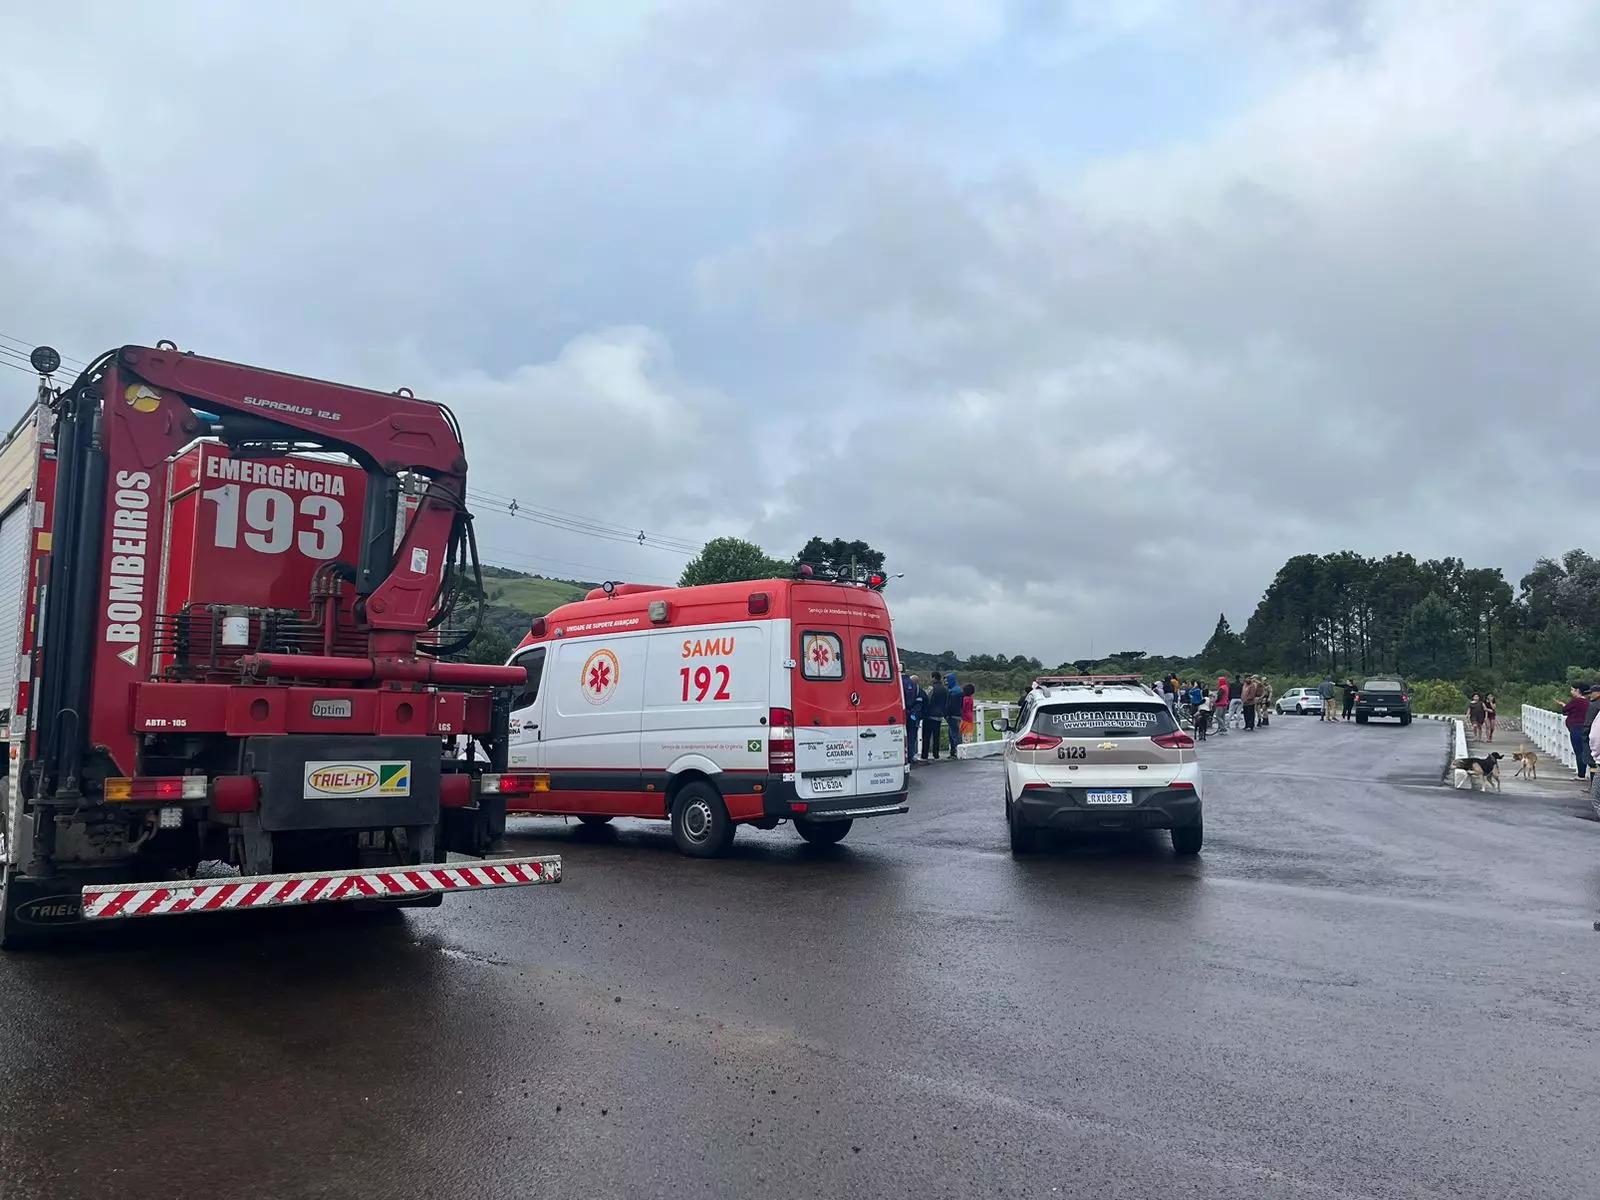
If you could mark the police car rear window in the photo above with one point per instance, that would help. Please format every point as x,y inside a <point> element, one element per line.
<point>1109,719</point>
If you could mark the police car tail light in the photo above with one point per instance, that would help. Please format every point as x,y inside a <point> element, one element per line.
<point>1177,740</point>
<point>1037,741</point>
<point>780,739</point>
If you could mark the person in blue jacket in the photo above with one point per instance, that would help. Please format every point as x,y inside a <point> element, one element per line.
<point>914,698</point>
<point>935,704</point>
<point>952,716</point>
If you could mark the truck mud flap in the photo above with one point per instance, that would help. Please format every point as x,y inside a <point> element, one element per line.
<point>104,902</point>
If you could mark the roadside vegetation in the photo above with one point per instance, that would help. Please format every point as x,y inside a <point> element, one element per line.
<point>1447,628</point>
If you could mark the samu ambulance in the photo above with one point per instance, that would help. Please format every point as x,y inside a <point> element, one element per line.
<point>712,707</point>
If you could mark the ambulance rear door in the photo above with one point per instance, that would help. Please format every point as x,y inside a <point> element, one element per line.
<point>824,716</point>
<point>877,699</point>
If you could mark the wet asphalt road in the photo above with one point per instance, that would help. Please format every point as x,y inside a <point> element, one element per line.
<point>1365,986</point>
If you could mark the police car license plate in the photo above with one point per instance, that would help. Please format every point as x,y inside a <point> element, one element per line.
<point>827,783</point>
<point>1118,796</point>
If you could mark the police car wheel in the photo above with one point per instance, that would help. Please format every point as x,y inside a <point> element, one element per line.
<point>822,833</point>
<point>700,824</point>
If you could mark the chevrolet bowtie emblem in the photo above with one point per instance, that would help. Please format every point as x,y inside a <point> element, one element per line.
<point>1108,746</point>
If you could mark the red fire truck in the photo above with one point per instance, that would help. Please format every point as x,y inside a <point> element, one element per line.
<point>226,597</point>
<point>711,707</point>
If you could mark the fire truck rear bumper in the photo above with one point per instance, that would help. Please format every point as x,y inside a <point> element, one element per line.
<point>104,902</point>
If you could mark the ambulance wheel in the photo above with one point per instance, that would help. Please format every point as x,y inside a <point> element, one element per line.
<point>595,820</point>
<point>700,824</point>
<point>822,833</point>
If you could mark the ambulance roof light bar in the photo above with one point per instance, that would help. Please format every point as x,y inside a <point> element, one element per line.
<point>856,575</point>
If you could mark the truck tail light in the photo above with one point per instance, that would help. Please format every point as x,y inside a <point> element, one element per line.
<point>156,787</point>
<point>1037,741</point>
<point>513,785</point>
<point>780,740</point>
<point>1177,740</point>
<point>455,791</point>
<point>236,794</point>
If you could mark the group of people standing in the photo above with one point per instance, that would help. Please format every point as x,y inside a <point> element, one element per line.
<point>943,704</point>
<point>1580,711</point>
<point>1247,700</point>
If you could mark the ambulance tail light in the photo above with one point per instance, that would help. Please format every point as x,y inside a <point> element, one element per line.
<point>780,740</point>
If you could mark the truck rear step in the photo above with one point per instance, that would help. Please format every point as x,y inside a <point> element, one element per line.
<point>103,902</point>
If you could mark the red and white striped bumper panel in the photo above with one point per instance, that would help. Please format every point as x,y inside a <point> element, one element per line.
<point>102,902</point>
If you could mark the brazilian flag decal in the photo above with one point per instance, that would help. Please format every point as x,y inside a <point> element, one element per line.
<point>394,779</point>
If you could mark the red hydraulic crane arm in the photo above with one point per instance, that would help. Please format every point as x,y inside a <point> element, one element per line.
<point>151,403</point>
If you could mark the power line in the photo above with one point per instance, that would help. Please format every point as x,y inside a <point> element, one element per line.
<point>524,556</point>
<point>603,529</point>
<point>27,345</point>
<point>579,519</point>
<point>620,536</point>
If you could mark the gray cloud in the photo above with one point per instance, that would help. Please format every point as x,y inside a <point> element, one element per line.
<point>779,270</point>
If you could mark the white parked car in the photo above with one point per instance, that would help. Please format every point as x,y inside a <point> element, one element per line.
<point>1300,701</point>
<point>1088,755</point>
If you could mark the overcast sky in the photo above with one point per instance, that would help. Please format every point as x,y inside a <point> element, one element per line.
<point>1087,321</point>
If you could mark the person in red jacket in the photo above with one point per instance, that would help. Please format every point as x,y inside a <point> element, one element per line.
<point>1575,710</point>
<point>1220,709</point>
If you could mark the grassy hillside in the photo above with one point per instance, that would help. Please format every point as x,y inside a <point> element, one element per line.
<point>531,594</point>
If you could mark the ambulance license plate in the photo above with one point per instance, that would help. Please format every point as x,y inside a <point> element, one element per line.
<point>827,783</point>
<point>1118,796</point>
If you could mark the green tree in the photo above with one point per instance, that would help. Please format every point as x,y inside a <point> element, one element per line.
<point>839,555</point>
<point>490,646</point>
<point>1225,648</point>
<point>728,560</point>
<point>1431,642</point>
<point>1484,598</point>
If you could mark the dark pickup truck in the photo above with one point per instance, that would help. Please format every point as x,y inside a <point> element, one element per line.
<point>1383,698</point>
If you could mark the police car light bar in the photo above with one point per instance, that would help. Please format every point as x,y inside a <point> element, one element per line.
<point>1090,680</point>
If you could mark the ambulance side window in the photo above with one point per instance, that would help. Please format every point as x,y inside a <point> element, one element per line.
<point>533,661</point>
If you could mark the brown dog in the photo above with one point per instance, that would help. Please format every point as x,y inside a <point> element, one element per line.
<point>1527,764</point>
